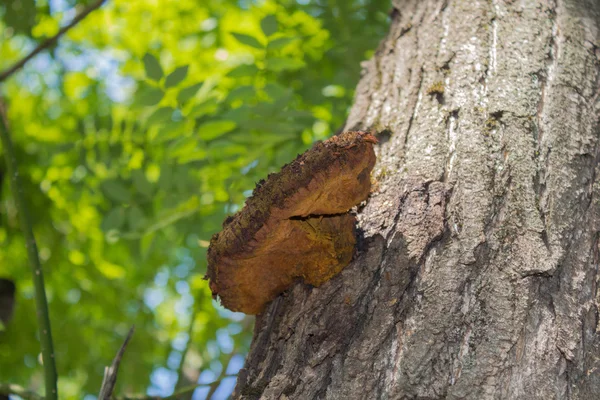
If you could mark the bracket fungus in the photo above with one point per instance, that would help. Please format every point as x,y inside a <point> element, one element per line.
<point>296,225</point>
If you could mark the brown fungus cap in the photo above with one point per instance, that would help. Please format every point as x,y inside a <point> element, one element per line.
<point>295,225</point>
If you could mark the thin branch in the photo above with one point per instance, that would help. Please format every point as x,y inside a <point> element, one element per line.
<point>110,373</point>
<point>190,332</point>
<point>8,388</point>
<point>41,302</point>
<point>184,390</point>
<point>176,394</point>
<point>215,385</point>
<point>49,42</point>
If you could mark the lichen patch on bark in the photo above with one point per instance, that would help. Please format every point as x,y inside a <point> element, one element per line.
<point>296,225</point>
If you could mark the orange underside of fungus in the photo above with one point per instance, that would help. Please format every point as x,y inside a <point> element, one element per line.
<point>295,225</point>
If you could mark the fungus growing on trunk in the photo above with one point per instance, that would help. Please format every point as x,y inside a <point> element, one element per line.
<point>295,225</point>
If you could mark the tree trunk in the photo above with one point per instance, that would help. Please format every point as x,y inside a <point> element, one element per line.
<point>476,274</point>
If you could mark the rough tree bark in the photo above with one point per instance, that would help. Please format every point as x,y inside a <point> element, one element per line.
<point>477,273</point>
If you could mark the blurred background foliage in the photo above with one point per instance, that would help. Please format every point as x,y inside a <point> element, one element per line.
<point>137,134</point>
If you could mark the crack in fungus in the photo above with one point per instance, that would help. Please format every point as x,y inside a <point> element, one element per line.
<point>296,225</point>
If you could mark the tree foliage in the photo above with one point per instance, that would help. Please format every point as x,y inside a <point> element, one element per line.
<point>137,134</point>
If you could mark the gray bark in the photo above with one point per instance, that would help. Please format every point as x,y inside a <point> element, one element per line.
<point>477,272</point>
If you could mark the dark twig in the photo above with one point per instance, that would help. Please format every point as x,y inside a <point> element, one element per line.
<point>8,388</point>
<point>180,377</point>
<point>110,373</point>
<point>43,316</point>
<point>173,396</point>
<point>176,394</point>
<point>215,385</point>
<point>49,42</point>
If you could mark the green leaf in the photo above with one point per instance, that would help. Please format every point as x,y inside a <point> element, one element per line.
<point>176,76</point>
<point>166,177</point>
<point>114,219</point>
<point>242,93</point>
<point>183,146</point>
<point>170,131</point>
<point>262,138</point>
<point>221,149</point>
<point>188,92</point>
<point>296,114</point>
<point>152,67</point>
<point>20,15</point>
<point>116,190</point>
<point>196,155</point>
<point>169,217</point>
<point>278,64</point>
<point>243,70</point>
<point>146,244</point>
<point>266,125</point>
<point>214,129</point>
<point>248,40</point>
<point>160,116</point>
<point>149,96</point>
<point>207,107</point>
<point>280,43</point>
<point>141,184</point>
<point>269,25</point>
<point>136,218</point>
<point>277,91</point>
<point>238,115</point>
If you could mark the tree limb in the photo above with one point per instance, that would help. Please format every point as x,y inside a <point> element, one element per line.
<point>43,316</point>
<point>215,385</point>
<point>190,332</point>
<point>49,42</point>
<point>175,395</point>
<point>110,373</point>
<point>184,390</point>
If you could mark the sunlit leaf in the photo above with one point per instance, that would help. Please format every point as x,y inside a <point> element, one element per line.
<point>183,146</point>
<point>146,244</point>
<point>149,96</point>
<point>207,107</point>
<point>222,149</point>
<point>110,270</point>
<point>188,92</point>
<point>243,70</point>
<point>176,76</point>
<point>196,155</point>
<point>269,25</point>
<point>248,40</point>
<point>214,129</point>
<point>47,26</point>
<point>152,67</point>
<point>242,93</point>
<point>279,43</point>
<point>278,64</point>
<point>171,130</point>
<point>333,91</point>
<point>161,115</point>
